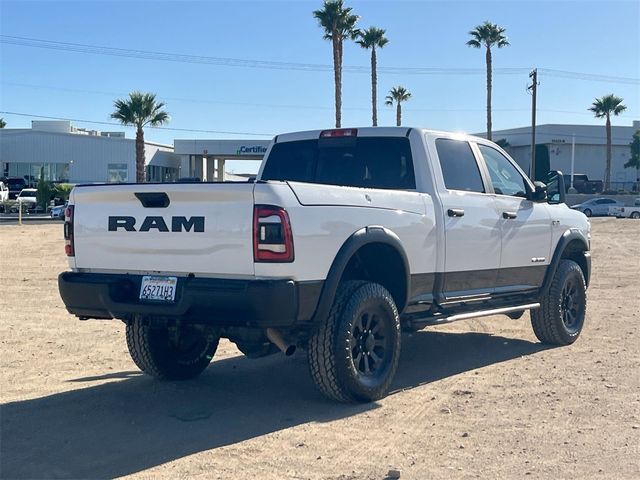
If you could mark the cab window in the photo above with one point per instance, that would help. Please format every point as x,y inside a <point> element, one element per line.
<point>506,179</point>
<point>459,166</point>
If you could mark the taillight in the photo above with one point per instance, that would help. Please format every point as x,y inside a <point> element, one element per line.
<point>69,248</point>
<point>272,237</point>
<point>339,132</point>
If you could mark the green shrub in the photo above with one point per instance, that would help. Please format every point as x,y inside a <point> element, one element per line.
<point>62,191</point>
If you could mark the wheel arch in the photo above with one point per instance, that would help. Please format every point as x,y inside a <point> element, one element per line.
<point>572,246</point>
<point>354,261</point>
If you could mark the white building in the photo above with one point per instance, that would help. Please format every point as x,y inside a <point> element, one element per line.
<point>554,144</point>
<point>68,154</point>
<point>205,159</point>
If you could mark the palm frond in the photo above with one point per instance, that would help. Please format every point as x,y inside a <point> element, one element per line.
<point>607,105</point>
<point>140,109</point>
<point>488,34</point>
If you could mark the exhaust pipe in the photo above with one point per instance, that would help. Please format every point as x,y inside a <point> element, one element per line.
<point>275,337</point>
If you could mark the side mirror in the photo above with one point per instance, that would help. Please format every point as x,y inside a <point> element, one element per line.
<point>540,192</point>
<point>556,189</point>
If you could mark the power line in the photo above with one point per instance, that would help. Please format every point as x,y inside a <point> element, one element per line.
<point>292,106</point>
<point>20,114</point>
<point>98,122</point>
<point>273,65</point>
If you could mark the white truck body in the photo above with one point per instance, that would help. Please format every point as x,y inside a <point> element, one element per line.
<point>447,224</point>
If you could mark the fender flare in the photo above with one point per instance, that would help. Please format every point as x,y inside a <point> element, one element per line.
<point>567,237</point>
<point>364,236</point>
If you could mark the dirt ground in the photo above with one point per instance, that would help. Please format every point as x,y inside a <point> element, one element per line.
<point>477,399</point>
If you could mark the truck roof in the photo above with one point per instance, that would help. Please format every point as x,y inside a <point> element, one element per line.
<point>371,132</point>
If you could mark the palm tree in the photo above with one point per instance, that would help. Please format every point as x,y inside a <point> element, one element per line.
<point>398,95</point>
<point>488,34</point>
<point>2,123</point>
<point>371,38</point>
<point>140,110</point>
<point>603,108</point>
<point>339,24</point>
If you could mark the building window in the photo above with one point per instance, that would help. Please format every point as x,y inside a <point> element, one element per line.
<point>31,172</point>
<point>117,173</point>
<point>157,173</point>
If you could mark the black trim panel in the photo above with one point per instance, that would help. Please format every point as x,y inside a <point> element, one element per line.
<point>464,284</point>
<point>224,302</point>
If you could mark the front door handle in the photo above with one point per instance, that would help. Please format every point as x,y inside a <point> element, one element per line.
<point>455,212</point>
<point>509,215</point>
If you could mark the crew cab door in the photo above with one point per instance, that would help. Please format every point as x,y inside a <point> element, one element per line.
<point>472,228</point>
<point>525,226</point>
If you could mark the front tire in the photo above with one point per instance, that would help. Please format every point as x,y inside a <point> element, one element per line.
<point>588,212</point>
<point>160,353</point>
<point>635,215</point>
<point>560,318</point>
<point>354,355</point>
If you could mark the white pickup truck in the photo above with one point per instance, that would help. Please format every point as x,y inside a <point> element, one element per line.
<point>626,211</point>
<point>345,238</point>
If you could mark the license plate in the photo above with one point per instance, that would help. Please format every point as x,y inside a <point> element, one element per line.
<point>158,289</point>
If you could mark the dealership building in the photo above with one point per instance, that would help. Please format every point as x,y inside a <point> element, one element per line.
<point>65,153</point>
<point>554,144</point>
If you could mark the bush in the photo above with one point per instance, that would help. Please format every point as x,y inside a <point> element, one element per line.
<point>62,191</point>
<point>45,193</point>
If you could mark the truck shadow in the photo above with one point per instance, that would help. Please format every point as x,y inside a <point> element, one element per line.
<point>134,422</point>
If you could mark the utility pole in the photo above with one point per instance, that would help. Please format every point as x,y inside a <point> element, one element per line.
<point>534,90</point>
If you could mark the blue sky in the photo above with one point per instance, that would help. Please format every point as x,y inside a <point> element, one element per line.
<point>595,37</point>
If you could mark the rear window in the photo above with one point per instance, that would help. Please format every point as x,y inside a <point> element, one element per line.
<point>368,162</point>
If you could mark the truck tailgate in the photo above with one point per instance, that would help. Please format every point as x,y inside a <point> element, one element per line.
<point>204,228</point>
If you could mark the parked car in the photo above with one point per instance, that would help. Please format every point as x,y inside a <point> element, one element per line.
<point>58,211</point>
<point>582,184</point>
<point>4,192</point>
<point>16,185</point>
<point>347,236</point>
<point>597,206</point>
<point>27,197</point>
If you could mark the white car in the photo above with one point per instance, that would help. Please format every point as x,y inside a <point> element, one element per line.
<point>58,211</point>
<point>346,237</point>
<point>4,192</point>
<point>27,198</point>
<point>597,206</point>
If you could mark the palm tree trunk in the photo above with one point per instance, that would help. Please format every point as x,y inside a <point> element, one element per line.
<point>337,77</point>
<point>140,155</point>
<point>374,87</point>
<point>398,114</point>
<point>488,61</point>
<point>607,173</point>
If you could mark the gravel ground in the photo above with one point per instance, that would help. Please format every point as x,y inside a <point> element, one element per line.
<point>477,399</point>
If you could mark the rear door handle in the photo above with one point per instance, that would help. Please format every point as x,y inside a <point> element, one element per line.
<point>509,215</point>
<point>455,212</point>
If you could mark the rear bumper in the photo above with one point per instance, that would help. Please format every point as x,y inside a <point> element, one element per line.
<point>224,302</point>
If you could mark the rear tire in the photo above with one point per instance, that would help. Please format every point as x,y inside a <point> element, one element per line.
<point>560,318</point>
<point>157,353</point>
<point>354,355</point>
<point>635,215</point>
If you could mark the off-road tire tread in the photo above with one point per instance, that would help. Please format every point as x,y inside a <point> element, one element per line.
<point>321,355</point>
<point>139,345</point>
<point>545,326</point>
